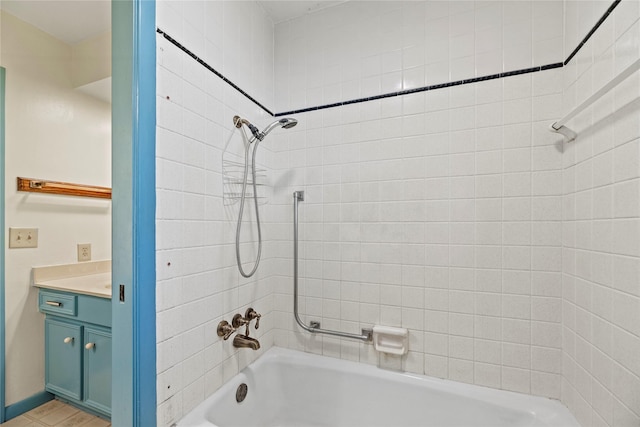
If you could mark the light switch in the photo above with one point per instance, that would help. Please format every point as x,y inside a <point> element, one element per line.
<point>23,237</point>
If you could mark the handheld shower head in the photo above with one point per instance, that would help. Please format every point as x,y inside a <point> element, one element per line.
<point>286,123</point>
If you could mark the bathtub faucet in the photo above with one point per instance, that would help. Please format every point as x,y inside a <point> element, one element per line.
<point>226,329</point>
<point>243,341</point>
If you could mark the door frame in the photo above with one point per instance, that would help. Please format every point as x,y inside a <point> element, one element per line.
<point>133,221</point>
<point>2,242</point>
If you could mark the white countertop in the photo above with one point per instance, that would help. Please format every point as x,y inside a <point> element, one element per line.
<point>86,278</point>
<point>98,285</point>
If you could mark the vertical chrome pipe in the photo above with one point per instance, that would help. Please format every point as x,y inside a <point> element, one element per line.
<point>367,334</point>
<point>298,196</point>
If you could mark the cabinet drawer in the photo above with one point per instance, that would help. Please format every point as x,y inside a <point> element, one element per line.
<point>56,303</point>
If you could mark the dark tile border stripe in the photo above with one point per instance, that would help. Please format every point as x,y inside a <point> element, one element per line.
<point>213,70</point>
<point>426,88</point>
<point>402,92</point>
<point>593,30</point>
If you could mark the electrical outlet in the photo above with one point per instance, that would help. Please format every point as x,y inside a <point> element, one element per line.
<point>23,237</point>
<point>84,251</point>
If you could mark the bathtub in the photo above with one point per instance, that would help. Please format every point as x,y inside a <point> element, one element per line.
<point>288,388</point>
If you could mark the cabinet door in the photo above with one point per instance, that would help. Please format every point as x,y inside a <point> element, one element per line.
<point>97,369</point>
<point>63,358</point>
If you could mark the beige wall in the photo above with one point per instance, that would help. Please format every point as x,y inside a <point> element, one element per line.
<point>89,62</point>
<point>52,132</point>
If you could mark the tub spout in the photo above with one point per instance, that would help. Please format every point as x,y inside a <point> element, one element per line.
<point>243,341</point>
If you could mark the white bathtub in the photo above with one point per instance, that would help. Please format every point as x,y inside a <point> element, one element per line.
<point>288,388</point>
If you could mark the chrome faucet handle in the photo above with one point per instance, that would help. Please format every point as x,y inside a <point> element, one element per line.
<point>225,330</point>
<point>251,314</point>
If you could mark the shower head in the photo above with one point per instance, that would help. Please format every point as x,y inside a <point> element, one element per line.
<point>288,122</point>
<point>285,123</point>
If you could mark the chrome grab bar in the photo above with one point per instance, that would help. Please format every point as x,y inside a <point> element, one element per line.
<point>314,327</point>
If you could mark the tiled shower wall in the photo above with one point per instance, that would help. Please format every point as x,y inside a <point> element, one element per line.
<point>438,211</point>
<point>601,224</point>
<point>367,48</point>
<point>198,283</point>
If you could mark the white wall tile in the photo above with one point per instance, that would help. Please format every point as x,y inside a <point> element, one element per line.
<point>597,316</point>
<point>413,194</point>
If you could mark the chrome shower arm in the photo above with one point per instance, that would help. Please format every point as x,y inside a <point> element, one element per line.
<point>239,121</point>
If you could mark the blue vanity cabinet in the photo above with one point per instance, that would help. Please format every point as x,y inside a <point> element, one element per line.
<point>78,348</point>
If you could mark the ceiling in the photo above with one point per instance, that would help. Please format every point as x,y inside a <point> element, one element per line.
<point>280,11</point>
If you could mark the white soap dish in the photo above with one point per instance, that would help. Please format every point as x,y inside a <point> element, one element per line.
<point>388,339</point>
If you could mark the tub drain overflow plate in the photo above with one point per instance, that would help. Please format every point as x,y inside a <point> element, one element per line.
<point>241,392</point>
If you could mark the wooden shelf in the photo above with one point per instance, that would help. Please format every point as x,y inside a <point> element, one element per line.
<point>62,188</point>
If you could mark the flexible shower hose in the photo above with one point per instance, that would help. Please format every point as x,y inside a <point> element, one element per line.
<point>242,200</point>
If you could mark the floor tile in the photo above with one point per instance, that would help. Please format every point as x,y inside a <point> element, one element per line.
<point>78,419</point>
<point>56,417</point>
<point>97,422</point>
<point>20,421</point>
<point>44,409</point>
<point>56,414</point>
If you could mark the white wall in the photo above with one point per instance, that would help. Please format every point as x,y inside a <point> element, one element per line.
<point>198,281</point>
<point>601,226</point>
<point>56,133</point>
<point>437,211</point>
<point>416,218</point>
<point>366,48</point>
